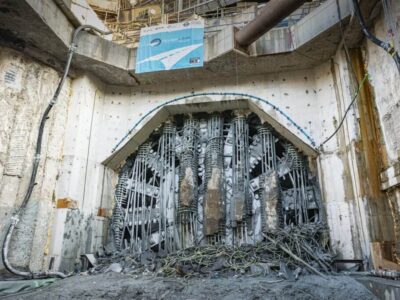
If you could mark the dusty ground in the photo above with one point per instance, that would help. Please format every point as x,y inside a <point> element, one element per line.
<point>120,286</point>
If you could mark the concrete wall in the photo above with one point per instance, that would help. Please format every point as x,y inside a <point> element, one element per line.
<point>85,15</point>
<point>292,92</point>
<point>82,227</point>
<point>362,209</point>
<point>334,162</point>
<point>385,80</point>
<point>25,90</point>
<point>67,213</point>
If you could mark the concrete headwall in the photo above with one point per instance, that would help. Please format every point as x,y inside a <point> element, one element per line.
<point>72,201</point>
<point>309,97</point>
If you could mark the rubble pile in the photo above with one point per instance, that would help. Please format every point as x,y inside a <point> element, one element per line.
<point>288,252</point>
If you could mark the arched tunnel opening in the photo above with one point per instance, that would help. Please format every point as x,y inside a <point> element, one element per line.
<point>212,178</point>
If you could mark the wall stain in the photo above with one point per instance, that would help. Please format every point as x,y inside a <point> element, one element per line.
<point>372,159</point>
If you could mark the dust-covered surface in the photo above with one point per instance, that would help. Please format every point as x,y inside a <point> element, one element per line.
<point>122,286</point>
<point>291,251</point>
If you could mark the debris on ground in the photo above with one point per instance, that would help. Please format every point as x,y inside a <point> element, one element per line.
<point>288,264</point>
<point>124,286</point>
<point>11,287</point>
<point>288,252</point>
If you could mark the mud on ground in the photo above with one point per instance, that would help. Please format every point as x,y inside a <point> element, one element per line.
<point>123,286</point>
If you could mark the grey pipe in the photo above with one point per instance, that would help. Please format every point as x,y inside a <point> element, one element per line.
<point>270,15</point>
<point>35,166</point>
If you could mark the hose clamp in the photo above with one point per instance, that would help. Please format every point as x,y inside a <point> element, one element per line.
<point>39,275</point>
<point>391,50</point>
<point>36,158</point>
<point>14,220</point>
<point>72,48</point>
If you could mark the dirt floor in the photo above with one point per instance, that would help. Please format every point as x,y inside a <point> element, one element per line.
<point>123,286</point>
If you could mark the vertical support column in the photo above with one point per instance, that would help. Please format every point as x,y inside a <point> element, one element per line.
<point>269,183</point>
<point>117,225</point>
<point>188,191</point>
<point>180,7</point>
<point>298,176</point>
<point>241,204</point>
<point>167,203</point>
<point>267,140</point>
<point>271,208</point>
<point>214,211</point>
<point>134,221</point>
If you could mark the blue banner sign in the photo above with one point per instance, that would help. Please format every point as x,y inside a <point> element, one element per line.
<point>171,46</point>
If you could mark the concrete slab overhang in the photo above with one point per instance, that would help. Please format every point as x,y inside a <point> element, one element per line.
<point>153,121</point>
<point>313,40</point>
<point>43,30</point>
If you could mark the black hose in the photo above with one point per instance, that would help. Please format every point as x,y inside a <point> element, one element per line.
<point>386,46</point>
<point>36,160</point>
